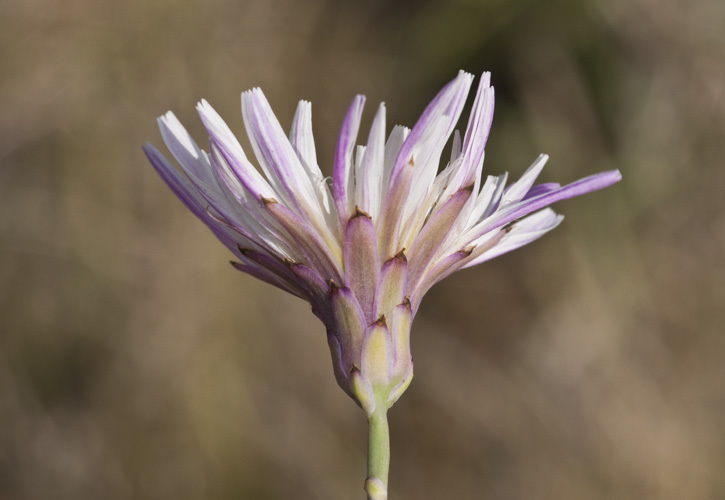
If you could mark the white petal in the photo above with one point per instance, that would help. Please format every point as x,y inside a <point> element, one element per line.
<point>183,147</point>
<point>392,147</point>
<point>232,151</point>
<point>519,189</point>
<point>370,178</point>
<point>522,233</point>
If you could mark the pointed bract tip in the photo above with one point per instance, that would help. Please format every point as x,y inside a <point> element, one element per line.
<point>217,218</point>
<point>288,262</point>
<point>334,287</point>
<point>242,250</point>
<point>380,321</point>
<point>400,256</point>
<point>468,250</point>
<point>359,212</point>
<point>508,227</point>
<point>267,201</point>
<point>468,188</point>
<point>406,302</point>
<point>411,162</point>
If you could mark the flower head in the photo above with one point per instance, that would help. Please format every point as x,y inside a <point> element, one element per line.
<point>365,252</point>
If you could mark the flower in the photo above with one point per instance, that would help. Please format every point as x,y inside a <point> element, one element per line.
<point>365,252</point>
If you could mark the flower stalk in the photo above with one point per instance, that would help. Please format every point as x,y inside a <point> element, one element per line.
<point>376,485</point>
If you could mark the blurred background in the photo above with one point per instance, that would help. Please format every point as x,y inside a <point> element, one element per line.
<point>136,364</point>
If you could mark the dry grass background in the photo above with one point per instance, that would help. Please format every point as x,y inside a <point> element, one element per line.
<point>135,364</point>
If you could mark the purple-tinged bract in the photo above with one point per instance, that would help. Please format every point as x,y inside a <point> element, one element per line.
<point>365,250</point>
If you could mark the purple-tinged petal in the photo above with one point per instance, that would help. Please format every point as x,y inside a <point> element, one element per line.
<point>193,200</point>
<point>313,283</point>
<point>210,189</point>
<point>540,189</point>
<point>413,222</point>
<point>178,184</point>
<point>521,233</point>
<point>230,234</point>
<point>436,274</point>
<point>279,268</point>
<point>474,142</point>
<point>479,124</point>
<point>391,284</point>
<point>362,267</point>
<point>280,162</point>
<point>448,102</point>
<point>577,188</point>
<point>227,218</point>
<point>223,138</point>
<point>266,276</point>
<point>450,264</point>
<point>318,253</point>
<point>433,235</point>
<point>196,165</point>
<point>423,144</point>
<point>252,219</point>
<point>427,152</point>
<point>206,190</point>
<point>456,146</point>
<point>343,168</point>
<point>377,354</point>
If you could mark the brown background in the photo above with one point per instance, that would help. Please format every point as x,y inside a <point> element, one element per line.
<point>135,364</point>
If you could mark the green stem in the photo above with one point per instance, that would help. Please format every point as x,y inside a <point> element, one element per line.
<point>376,485</point>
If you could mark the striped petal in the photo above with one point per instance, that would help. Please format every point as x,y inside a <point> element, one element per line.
<point>433,235</point>
<point>342,172</point>
<point>369,177</point>
<point>232,152</point>
<point>522,233</point>
<point>525,207</point>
